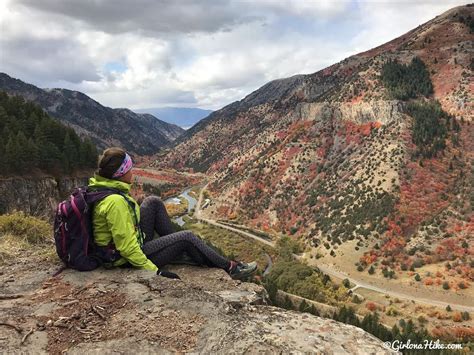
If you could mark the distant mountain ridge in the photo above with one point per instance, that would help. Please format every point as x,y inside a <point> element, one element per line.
<point>185,117</point>
<point>140,134</point>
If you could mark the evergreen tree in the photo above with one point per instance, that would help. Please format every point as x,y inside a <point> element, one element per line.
<point>303,306</point>
<point>22,153</point>
<point>30,124</point>
<point>2,154</point>
<point>51,157</point>
<point>88,154</point>
<point>313,310</point>
<point>272,289</point>
<point>3,118</point>
<point>11,154</point>
<point>287,304</point>
<point>395,332</point>
<point>33,153</point>
<point>69,153</point>
<point>346,315</point>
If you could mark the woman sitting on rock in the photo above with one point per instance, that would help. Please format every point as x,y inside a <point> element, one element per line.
<point>126,231</point>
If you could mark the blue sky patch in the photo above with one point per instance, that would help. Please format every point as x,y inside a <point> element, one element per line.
<point>115,67</point>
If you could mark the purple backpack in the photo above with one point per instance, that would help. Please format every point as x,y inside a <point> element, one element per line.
<point>73,231</point>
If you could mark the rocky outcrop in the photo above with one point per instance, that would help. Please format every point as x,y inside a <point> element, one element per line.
<point>138,133</point>
<point>124,310</point>
<point>35,196</point>
<point>383,111</point>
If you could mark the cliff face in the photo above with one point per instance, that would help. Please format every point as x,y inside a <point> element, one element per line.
<point>35,196</point>
<point>123,310</point>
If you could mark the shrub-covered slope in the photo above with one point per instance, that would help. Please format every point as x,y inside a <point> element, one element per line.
<point>375,150</point>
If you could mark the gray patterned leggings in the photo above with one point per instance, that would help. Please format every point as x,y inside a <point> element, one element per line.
<point>171,245</point>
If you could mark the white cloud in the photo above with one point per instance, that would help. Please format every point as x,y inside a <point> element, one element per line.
<point>385,20</point>
<point>37,47</point>
<point>313,9</point>
<point>148,16</point>
<point>183,53</point>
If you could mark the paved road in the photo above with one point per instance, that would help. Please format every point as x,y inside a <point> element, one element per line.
<point>360,284</point>
<point>331,272</point>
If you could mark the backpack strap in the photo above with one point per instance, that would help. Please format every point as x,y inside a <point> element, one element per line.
<point>137,224</point>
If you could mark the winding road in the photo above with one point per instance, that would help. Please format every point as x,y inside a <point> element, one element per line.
<point>331,272</point>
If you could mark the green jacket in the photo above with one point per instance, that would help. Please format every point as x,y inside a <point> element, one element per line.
<point>113,222</point>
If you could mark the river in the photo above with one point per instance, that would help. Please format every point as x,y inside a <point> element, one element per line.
<point>191,204</point>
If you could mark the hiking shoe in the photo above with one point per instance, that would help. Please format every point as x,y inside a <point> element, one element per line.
<point>239,270</point>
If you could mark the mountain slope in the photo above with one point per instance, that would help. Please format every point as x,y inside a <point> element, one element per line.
<point>138,133</point>
<point>336,158</point>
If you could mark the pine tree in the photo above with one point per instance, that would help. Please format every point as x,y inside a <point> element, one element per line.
<point>3,118</point>
<point>22,153</point>
<point>51,156</point>
<point>88,154</point>
<point>69,153</point>
<point>313,310</point>
<point>33,153</point>
<point>272,289</point>
<point>287,304</point>
<point>2,156</point>
<point>30,124</point>
<point>395,332</point>
<point>11,154</point>
<point>303,306</point>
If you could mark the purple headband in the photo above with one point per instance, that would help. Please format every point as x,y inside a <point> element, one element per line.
<point>126,166</point>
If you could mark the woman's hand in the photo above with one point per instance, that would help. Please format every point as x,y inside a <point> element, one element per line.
<point>168,274</point>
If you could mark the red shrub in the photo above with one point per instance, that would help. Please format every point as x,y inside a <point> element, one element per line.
<point>371,306</point>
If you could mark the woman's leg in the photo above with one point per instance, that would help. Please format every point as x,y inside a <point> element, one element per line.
<point>154,217</point>
<point>185,241</point>
<point>171,253</point>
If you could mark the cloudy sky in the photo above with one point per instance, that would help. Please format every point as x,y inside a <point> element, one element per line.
<point>206,54</point>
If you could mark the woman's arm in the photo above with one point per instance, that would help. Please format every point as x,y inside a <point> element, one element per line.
<point>124,234</point>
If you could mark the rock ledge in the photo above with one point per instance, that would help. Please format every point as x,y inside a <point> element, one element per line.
<point>128,311</point>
